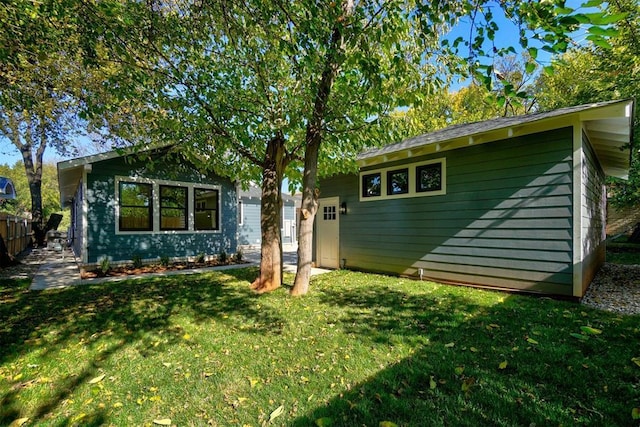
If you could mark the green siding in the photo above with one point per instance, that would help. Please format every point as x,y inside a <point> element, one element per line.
<point>506,220</point>
<point>102,239</point>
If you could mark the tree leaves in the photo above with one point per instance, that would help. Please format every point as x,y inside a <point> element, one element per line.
<point>162,421</point>
<point>276,413</point>
<point>97,379</point>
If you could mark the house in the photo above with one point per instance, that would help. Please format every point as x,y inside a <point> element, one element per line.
<point>249,235</point>
<point>515,202</point>
<point>7,189</point>
<point>125,207</point>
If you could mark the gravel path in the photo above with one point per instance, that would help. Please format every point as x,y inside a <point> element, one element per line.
<point>615,288</point>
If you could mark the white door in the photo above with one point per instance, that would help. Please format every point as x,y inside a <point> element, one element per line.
<point>327,232</point>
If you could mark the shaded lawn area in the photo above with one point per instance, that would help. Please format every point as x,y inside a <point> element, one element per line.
<point>358,350</point>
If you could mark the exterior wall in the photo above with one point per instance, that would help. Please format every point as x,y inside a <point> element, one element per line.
<point>505,220</point>
<point>594,206</point>
<point>249,232</point>
<point>102,240</point>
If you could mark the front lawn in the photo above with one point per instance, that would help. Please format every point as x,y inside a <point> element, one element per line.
<point>360,349</point>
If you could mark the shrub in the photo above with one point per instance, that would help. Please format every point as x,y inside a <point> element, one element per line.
<point>223,257</point>
<point>137,261</point>
<point>164,261</point>
<point>105,266</point>
<point>239,255</point>
<point>200,258</point>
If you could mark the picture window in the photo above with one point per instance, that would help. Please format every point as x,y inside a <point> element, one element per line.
<point>371,185</point>
<point>429,178</point>
<point>398,181</point>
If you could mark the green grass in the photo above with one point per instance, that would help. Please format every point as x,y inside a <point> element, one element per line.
<point>358,350</point>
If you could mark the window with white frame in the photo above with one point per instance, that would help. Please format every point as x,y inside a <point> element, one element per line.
<point>206,208</point>
<point>427,178</point>
<point>146,205</point>
<point>136,206</point>
<point>173,207</point>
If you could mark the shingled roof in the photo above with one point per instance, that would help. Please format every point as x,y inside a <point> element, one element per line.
<point>608,125</point>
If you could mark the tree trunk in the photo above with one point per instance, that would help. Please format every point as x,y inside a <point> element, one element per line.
<point>313,140</point>
<point>270,216</point>
<point>307,215</point>
<point>34,178</point>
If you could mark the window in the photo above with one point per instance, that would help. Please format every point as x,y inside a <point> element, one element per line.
<point>371,185</point>
<point>329,213</point>
<point>173,208</point>
<point>419,179</point>
<point>206,208</point>
<point>429,177</point>
<point>398,181</point>
<point>136,211</point>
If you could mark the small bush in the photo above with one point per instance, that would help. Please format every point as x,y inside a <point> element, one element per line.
<point>105,266</point>
<point>239,255</point>
<point>200,258</point>
<point>164,261</point>
<point>223,257</point>
<point>137,261</point>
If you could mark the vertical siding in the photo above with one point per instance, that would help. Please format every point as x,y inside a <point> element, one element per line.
<point>505,220</point>
<point>593,210</point>
<point>102,240</point>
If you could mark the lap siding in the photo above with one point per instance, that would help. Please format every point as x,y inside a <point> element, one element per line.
<point>506,218</point>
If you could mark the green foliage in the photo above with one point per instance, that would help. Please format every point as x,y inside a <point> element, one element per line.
<point>200,258</point>
<point>602,74</point>
<point>137,260</point>
<point>164,261</point>
<point>104,265</point>
<point>361,349</point>
<point>223,257</point>
<point>239,255</point>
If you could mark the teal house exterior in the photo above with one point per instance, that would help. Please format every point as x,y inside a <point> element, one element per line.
<point>516,203</point>
<point>124,207</point>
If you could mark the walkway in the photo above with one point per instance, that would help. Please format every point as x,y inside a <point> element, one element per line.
<point>53,270</point>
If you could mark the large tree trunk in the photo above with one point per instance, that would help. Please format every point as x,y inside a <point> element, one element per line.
<point>34,178</point>
<point>270,211</point>
<point>307,215</point>
<point>313,140</point>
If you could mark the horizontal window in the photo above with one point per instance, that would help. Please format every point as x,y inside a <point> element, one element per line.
<point>427,178</point>
<point>145,205</point>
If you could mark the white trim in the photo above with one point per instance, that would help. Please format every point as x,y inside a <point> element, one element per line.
<point>411,181</point>
<point>84,248</point>
<point>155,193</point>
<point>240,212</point>
<point>577,208</point>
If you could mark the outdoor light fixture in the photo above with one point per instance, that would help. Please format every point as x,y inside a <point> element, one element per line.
<point>343,208</point>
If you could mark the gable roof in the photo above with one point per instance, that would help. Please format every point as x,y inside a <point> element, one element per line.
<point>608,125</point>
<point>7,189</point>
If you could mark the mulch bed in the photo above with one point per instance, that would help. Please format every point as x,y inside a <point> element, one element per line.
<point>130,270</point>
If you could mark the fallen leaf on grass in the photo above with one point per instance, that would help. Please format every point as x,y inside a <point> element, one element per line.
<point>579,336</point>
<point>532,341</point>
<point>162,422</point>
<point>387,424</point>
<point>276,413</point>
<point>635,413</point>
<point>459,370</point>
<point>96,379</point>
<point>432,383</point>
<point>636,360</point>
<point>590,331</point>
<point>324,422</point>
<point>503,365</point>
<point>449,345</point>
<point>18,422</point>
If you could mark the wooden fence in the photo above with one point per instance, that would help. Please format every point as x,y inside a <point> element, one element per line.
<point>16,233</point>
